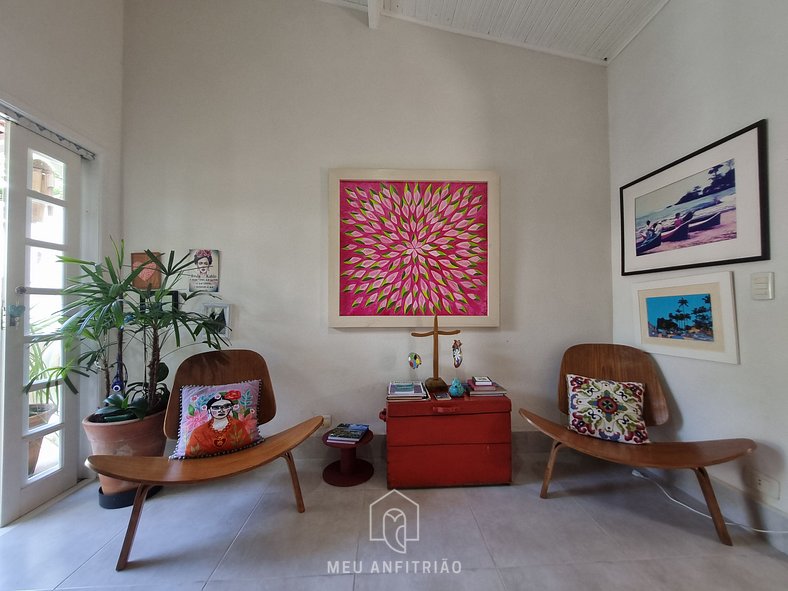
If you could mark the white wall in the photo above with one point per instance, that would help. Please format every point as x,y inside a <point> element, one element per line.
<point>700,71</point>
<point>62,64</point>
<point>235,111</point>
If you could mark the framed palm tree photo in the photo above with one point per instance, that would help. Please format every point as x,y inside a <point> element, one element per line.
<point>693,316</point>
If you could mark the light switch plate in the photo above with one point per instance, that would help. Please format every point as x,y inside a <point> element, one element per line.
<point>762,285</point>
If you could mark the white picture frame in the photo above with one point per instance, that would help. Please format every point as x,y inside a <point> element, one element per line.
<point>367,201</point>
<point>692,316</point>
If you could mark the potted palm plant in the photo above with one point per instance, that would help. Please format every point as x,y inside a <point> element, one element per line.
<point>111,317</point>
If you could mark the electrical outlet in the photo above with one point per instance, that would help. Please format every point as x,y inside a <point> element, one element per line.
<point>326,420</point>
<point>759,482</point>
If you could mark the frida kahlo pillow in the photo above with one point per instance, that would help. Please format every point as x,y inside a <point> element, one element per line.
<point>217,420</point>
<point>607,409</point>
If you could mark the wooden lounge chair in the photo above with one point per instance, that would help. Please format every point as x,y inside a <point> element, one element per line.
<point>623,363</point>
<point>212,368</point>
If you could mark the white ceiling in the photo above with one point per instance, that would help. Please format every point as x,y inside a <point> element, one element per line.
<point>590,30</point>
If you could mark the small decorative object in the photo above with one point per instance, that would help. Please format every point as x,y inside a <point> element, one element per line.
<point>414,360</point>
<point>456,389</point>
<point>456,352</point>
<point>435,383</point>
<point>15,312</point>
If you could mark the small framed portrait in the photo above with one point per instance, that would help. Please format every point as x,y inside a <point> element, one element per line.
<point>205,274</point>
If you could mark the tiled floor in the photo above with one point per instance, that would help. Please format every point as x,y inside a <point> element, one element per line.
<point>601,529</point>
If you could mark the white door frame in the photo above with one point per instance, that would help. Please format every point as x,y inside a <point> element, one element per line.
<point>21,493</point>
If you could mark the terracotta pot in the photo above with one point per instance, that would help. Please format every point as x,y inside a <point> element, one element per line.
<point>126,438</point>
<point>38,415</point>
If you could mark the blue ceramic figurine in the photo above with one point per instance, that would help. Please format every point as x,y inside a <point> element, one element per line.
<point>456,389</point>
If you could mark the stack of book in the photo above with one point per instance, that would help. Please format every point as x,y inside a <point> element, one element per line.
<point>347,433</point>
<point>407,391</point>
<point>484,386</point>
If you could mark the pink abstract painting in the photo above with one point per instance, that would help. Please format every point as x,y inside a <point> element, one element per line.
<point>413,248</point>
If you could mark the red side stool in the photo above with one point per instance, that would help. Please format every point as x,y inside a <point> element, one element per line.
<point>348,470</point>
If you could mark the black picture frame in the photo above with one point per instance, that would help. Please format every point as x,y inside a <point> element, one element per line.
<point>708,208</point>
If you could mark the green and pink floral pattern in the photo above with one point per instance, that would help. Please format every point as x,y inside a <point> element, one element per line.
<point>412,248</point>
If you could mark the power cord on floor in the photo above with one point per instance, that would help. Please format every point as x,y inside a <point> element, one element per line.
<point>639,474</point>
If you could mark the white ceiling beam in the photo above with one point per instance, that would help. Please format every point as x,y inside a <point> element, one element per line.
<point>373,12</point>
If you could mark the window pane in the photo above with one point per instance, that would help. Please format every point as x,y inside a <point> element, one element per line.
<point>44,221</point>
<point>44,408</point>
<point>42,314</point>
<point>46,175</point>
<point>41,356</point>
<point>43,454</point>
<point>44,268</point>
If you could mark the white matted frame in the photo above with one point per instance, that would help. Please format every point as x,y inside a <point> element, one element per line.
<point>692,316</point>
<point>405,245</point>
<point>708,208</point>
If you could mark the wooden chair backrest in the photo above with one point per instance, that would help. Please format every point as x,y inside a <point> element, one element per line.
<point>620,363</point>
<point>221,367</point>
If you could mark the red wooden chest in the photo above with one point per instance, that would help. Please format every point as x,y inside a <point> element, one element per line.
<point>462,441</point>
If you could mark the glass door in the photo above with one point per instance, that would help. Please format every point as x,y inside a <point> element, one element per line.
<point>40,188</point>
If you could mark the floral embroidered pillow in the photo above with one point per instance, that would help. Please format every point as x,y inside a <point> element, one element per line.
<point>607,409</point>
<point>217,420</point>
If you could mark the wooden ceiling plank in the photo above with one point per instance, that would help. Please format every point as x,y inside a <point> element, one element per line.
<point>602,11</point>
<point>590,30</point>
<point>501,20</point>
<point>515,19</point>
<point>447,12</point>
<point>551,37</point>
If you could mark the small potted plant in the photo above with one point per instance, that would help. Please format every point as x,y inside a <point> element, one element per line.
<point>42,403</point>
<point>41,406</point>
<point>110,318</point>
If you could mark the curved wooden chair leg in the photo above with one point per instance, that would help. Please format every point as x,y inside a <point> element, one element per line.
<point>131,530</point>
<point>548,472</point>
<point>714,507</point>
<point>288,456</point>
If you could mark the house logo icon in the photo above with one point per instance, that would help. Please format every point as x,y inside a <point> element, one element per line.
<point>394,519</point>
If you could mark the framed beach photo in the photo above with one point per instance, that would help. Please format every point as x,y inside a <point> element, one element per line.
<point>708,208</point>
<point>692,316</point>
<point>405,245</point>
